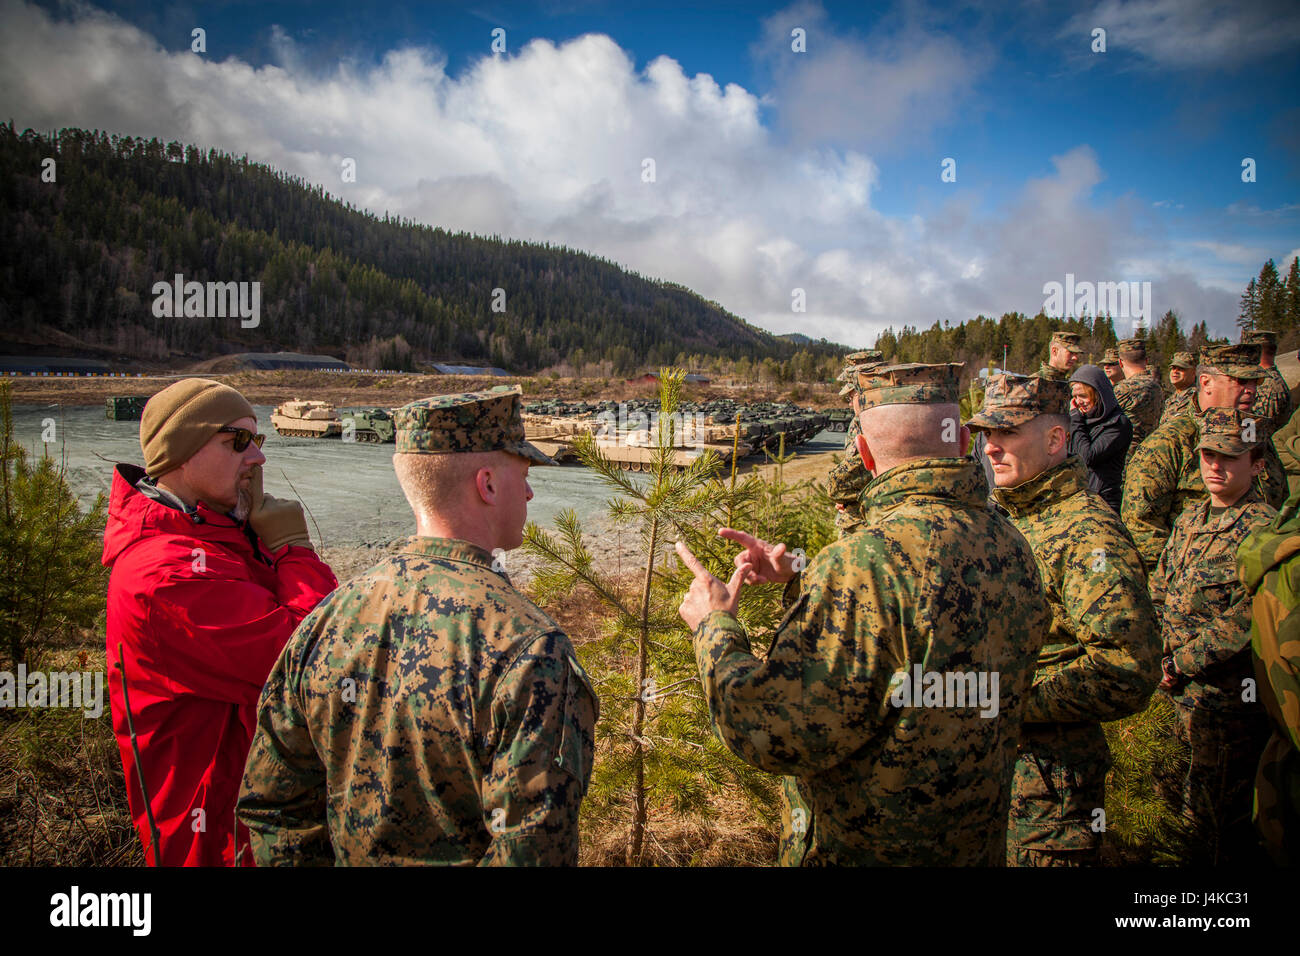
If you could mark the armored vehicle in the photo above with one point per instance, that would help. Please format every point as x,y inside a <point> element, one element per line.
<point>305,419</point>
<point>371,425</point>
<point>125,408</point>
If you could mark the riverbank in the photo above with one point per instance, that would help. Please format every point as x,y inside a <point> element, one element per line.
<point>350,389</point>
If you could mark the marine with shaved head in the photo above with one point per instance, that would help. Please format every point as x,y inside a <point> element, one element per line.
<point>893,690</point>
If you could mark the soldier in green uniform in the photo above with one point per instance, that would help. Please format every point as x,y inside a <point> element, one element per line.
<point>1164,478</point>
<point>847,477</point>
<point>1205,625</point>
<point>427,712</point>
<point>1182,376</point>
<point>1268,564</point>
<point>1062,357</point>
<point>894,685</point>
<point>1139,395</point>
<point>1110,364</point>
<point>1273,395</point>
<point>1099,657</point>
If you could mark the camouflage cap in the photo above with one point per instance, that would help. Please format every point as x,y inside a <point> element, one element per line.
<point>1225,430</point>
<point>1069,339</point>
<point>1239,361</point>
<point>910,384</point>
<point>1011,400</point>
<point>851,376</point>
<point>1132,349</point>
<point>1259,337</point>
<point>1110,357</point>
<point>469,421</point>
<point>1183,360</point>
<point>856,360</point>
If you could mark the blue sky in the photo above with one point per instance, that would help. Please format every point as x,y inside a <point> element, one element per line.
<point>778,170</point>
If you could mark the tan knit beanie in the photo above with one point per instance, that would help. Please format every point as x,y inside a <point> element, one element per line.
<point>180,419</point>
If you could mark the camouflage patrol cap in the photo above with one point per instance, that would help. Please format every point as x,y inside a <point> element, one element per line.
<point>856,360</point>
<point>911,384</point>
<point>1110,357</point>
<point>1183,360</point>
<point>469,421</point>
<point>1259,337</point>
<point>1239,361</point>
<point>1069,339</point>
<point>1011,400</point>
<point>1132,349</point>
<point>852,375</point>
<point>1225,430</point>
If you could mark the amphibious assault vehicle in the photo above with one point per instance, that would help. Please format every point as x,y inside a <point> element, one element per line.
<point>372,425</point>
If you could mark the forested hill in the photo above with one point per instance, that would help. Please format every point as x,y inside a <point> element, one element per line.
<point>84,251</point>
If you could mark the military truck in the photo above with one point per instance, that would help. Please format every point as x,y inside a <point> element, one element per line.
<point>371,425</point>
<point>306,419</point>
<point>125,408</point>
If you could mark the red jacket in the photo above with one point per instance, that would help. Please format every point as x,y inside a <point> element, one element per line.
<point>201,610</point>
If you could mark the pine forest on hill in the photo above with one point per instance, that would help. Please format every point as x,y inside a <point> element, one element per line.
<point>123,213</point>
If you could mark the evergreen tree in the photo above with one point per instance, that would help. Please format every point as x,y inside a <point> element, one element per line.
<point>1291,317</point>
<point>1270,303</point>
<point>1248,314</point>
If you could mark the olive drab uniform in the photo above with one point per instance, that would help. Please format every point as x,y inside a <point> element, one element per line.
<point>1164,478</point>
<point>1205,625</point>
<point>1268,564</point>
<point>1099,656</point>
<point>888,770</point>
<point>426,712</point>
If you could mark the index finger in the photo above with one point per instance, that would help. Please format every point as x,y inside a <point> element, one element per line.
<point>692,563</point>
<point>740,537</point>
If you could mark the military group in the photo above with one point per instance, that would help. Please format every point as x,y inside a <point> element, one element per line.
<point>933,695</point>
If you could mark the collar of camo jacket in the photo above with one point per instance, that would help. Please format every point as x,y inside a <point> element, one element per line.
<point>1266,548</point>
<point>954,479</point>
<point>453,549</point>
<point>1056,484</point>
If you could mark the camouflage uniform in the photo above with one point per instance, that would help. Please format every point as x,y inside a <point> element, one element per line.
<point>1268,566</point>
<point>1273,396</point>
<point>1109,362</point>
<point>1139,396</point>
<point>1286,443</point>
<point>1205,625</point>
<point>933,580</point>
<point>1164,478</point>
<point>848,477</point>
<point>1071,341</point>
<point>426,712</point>
<point>1099,658</point>
<point>1178,401</point>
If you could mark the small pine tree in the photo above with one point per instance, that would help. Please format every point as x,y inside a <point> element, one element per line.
<point>1249,307</point>
<point>1291,312</point>
<point>51,578</point>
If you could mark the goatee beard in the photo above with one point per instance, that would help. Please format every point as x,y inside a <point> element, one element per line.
<point>240,514</point>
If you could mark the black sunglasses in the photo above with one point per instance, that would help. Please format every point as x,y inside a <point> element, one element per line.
<point>242,437</point>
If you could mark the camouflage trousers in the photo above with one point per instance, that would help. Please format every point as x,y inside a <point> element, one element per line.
<point>1216,794</point>
<point>1277,800</point>
<point>1057,789</point>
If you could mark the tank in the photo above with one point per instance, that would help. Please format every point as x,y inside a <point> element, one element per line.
<point>307,419</point>
<point>125,408</point>
<point>371,425</point>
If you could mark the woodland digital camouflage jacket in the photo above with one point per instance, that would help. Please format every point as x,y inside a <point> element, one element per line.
<point>1272,399</point>
<point>1267,565</point>
<point>1176,403</point>
<point>1204,610</point>
<point>1142,400</point>
<point>934,580</point>
<point>1164,478</point>
<point>426,712</point>
<point>1100,657</point>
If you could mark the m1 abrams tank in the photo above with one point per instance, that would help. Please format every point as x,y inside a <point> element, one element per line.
<point>371,425</point>
<point>305,419</point>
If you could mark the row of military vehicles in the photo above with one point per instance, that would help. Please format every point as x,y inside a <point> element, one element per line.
<point>623,431</point>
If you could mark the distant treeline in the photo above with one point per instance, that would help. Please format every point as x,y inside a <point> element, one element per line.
<point>1268,303</point>
<point>87,236</point>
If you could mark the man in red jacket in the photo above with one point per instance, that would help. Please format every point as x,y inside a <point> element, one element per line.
<point>209,579</point>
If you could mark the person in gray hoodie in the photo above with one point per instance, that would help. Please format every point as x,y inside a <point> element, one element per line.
<point>1100,432</point>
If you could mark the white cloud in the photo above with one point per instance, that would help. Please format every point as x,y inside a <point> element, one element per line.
<point>1193,34</point>
<point>549,144</point>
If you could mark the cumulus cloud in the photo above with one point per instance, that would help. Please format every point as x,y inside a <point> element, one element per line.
<point>553,144</point>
